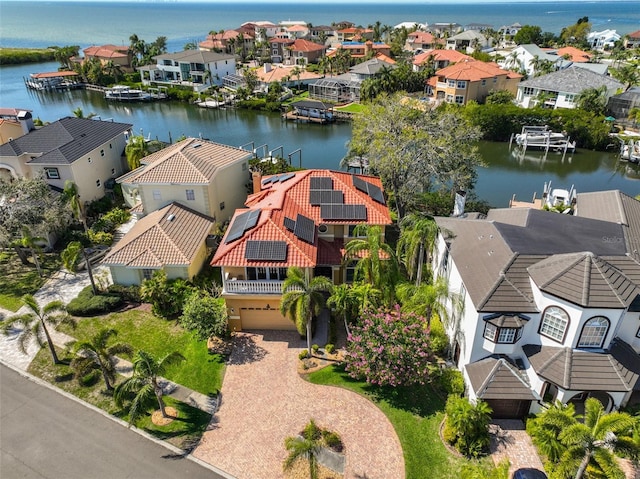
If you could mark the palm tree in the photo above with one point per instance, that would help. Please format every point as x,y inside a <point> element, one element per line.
<point>427,298</point>
<point>34,323</point>
<point>135,150</point>
<point>302,299</point>
<point>144,383</point>
<point>97,354</point>
<point>344,300</point>
<point>308,447</point>
<point>377,262</point>
<point>78,113</point>
<point>70,257</point>
<point>634,115</point>
<point>32,243</point>
<point>418,236</point>
<point>585,444</point>
<point>72,198</point>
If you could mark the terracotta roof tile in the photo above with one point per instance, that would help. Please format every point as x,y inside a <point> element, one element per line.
<point>191,161</point>
<point>279,200</point>
<point>169,236</point>
<point>473,70</point>
<point>453,56</point>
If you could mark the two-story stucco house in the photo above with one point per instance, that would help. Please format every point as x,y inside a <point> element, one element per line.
<point>87,152</point>
<point>550,303</point>
<point>301,219</point>
<point>199,69</point>
<point>207,177</point>
<point>471,80</point>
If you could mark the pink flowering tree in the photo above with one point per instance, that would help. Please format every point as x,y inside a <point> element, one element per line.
<point>389,348</point>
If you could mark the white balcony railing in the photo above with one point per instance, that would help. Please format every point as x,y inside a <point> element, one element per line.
<point>253,287</point>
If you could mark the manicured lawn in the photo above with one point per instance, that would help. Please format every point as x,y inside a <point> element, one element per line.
<point>201,371</point>
<point>17,279</point>
<point>182,433</point>
<point>351,108</point>
<point>416,414</point>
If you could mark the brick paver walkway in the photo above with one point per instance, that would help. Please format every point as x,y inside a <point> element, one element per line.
<point>509,440</point>
<point>264,401</point>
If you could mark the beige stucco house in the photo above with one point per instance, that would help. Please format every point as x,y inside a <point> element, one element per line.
<point>207,177</point>
<point>301,219</point>
<point>173,239</point>
<point>87,152</point>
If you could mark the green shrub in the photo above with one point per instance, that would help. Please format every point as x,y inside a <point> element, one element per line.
<point>439,338</point>
<point>332,440</point>
<point>88,304</point>
<point>117,216</point>
<point>167,297</point>
<point>329,348</point>
<point>256,104</point>
<point>450,380</point>
<point>129,294</point>
<point>315,348</point>
<point>304,354</point>
<point>98,207</point>
<point>100,237</point>
<point>205,315</point>
<point>469,424</point>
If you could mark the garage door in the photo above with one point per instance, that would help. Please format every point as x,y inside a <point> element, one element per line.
<point>508,408</point>
<point>257,318</point>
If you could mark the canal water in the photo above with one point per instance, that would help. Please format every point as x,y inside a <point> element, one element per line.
<point>317,146</point>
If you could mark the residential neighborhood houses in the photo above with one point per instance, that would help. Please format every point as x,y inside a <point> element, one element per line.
<point>538,308</point>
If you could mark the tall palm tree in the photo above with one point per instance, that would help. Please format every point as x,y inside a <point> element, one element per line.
<point>302,299</point>
<point>377,262</point>
<point>72,198</point>
<point>70,257</point>
<point>135,150</point>
<point>78,113</point>
<point>34,323</point>
<point>32,243</point>
<point>308,448</point>
<point>418,236</point>
<point>344,300</point>
<point>97,354</point>
<point>144,383</point>
<point>427,298</point>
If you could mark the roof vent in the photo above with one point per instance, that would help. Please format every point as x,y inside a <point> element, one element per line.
<point>323,228</point>
<point>171,217</point>
<point>197,145</point>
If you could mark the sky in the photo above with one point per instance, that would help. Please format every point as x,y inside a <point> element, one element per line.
<point>333,1</point>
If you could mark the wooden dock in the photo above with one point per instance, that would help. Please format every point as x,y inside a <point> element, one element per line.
<point>293,116</point>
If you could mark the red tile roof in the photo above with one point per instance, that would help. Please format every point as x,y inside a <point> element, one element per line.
<point>279,200</point>
<point>635,34</point>
<point>106,51</point>
<point>453,56</point>
<point>301,45</point>
<point>575,54</point>
<point>472,70</point>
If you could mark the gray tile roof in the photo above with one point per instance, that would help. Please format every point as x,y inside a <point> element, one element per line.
<point>195,56</point>
<point>498,378</point>
<point>584,279</point>
<point>580,370</point>
<point>64,141</point>
<point>571,80</point>
<point>512,291</point>
<point>371,67</point>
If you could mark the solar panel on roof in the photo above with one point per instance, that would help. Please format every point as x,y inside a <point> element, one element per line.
<point>286,177</point>
<point>266,181</point>
<point>305,228</point>
<point>343,212</point>
<point>376,193</point>
<point>242,223</point>
<point>321,183</point>
<point>266,251</point>
<point>289,223</point>
<point>321,197</point>
<point>360,184</point>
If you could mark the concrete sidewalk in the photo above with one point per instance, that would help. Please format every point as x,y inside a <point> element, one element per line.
<point>65,286</point>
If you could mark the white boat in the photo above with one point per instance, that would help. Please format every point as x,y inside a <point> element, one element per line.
<point>630,151</point>
<point>125,93</point>
<point>555,198</point>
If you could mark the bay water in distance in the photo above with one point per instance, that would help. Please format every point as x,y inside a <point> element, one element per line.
<point>95,23</point>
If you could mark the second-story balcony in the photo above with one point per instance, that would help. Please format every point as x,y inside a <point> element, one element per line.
<point>237,286</point>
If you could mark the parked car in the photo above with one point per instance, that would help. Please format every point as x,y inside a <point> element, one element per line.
<point>529,473</point>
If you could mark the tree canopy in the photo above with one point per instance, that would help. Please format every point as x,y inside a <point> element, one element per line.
<point>414,150</point>
<point>528,34</point>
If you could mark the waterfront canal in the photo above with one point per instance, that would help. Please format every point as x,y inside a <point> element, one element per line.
<point>322,146</point>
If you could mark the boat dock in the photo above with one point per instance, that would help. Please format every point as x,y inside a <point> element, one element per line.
<point>47,81</point>
<point>540,137</point>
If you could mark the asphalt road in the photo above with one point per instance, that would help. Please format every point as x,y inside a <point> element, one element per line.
<point>44,434</point>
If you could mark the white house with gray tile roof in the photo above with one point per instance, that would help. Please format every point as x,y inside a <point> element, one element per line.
<point>85,151</point>
<point>563,87</point>
<point>198,69</point>
<point>550,304</point>
<point>207,177</point>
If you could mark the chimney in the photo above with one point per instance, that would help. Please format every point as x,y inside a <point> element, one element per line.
<point>256,176</point>
<point>267,67</point>
<point>458,206</point>
<point>26,121</point>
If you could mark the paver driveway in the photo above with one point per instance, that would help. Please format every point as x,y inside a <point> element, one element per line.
<point>264,401</point>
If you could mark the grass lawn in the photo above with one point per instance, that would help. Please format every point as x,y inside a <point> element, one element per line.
<point>201,371</point>
<point>416,414</point>
<point>351,108</point>
<point>183,432</point>
<point>17,279</point>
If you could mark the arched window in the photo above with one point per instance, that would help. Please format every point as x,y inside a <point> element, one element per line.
<point>593,332</point>
<point>554,323</point>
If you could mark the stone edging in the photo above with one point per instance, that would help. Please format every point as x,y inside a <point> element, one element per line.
<point>448,446</point>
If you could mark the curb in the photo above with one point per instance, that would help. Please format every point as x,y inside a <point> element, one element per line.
<point>146,435</point>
